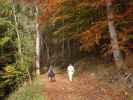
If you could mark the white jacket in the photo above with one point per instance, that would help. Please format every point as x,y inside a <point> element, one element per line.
<point>70,69</point>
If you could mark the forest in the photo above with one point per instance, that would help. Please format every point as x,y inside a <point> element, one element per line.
<point>95,36</point>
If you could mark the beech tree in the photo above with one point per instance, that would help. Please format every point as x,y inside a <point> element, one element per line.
<point>113,35</point>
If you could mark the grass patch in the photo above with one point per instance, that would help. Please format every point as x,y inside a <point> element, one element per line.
<point>29,92</point>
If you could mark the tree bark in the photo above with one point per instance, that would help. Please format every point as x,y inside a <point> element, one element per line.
<point>47,49</point>
<point>113,36</point>
<point>17,32</point>
<point>37,42</point>
<point>69,48</point>
<point>29,76</point>
<point>63,46</point>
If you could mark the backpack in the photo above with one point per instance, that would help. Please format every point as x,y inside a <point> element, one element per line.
<point>51,73</point>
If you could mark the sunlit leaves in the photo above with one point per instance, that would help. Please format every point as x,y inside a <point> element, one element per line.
<point>87,20</point>
<point>5,8</point>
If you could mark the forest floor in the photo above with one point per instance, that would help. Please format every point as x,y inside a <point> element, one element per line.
<point>84,87</point>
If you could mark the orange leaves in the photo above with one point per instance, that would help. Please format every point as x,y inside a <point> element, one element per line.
<point>59,18</point>
<point>60,2</point>
<point>100,3</point>
<point>47,11</point>
<point>98,37</point>
<point>128,30</point>
<point>128,14</point>
<point>92,36</point>
<point>92,3</point>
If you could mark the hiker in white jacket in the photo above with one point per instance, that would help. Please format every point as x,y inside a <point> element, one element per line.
<point>70,71</point>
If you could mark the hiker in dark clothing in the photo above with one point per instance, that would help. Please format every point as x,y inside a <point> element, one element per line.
<point>51,74</point>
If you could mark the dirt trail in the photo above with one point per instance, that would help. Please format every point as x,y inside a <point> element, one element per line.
<point>83,87</point>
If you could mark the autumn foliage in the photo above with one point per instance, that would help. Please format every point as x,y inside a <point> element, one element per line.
<point>86,21</point>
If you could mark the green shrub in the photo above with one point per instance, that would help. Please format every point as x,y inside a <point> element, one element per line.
<point>32,91</point>
<point>10,79</point>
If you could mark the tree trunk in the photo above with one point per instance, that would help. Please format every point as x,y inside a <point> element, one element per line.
<point>113,35</point>
<point>47,49</point>
<point>17,32</point>
<point>29,76</point>
<point>37,43</point>
<point>63,41</point>
<point>69,48</point>
<point>63,47</point>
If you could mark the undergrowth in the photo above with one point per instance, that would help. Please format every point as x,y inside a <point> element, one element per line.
<point>32,91</point>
